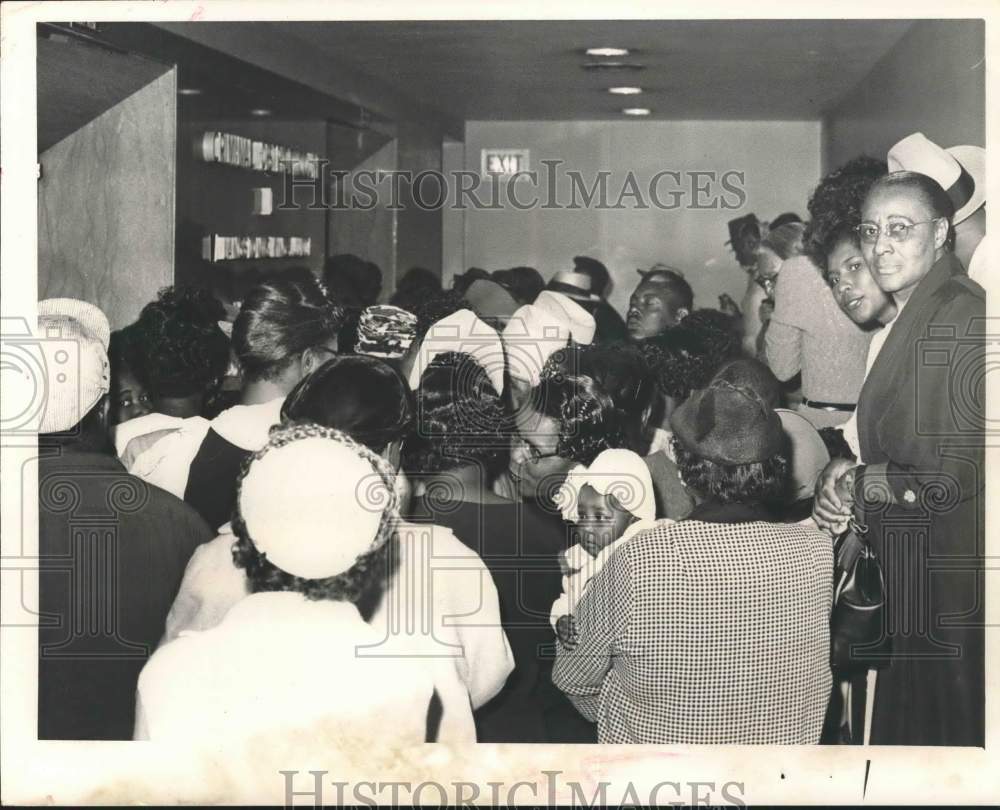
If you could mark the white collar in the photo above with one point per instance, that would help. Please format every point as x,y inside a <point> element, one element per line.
<point>247,426</point>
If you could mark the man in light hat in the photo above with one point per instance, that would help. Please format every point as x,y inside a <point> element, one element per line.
<point>961,172</point>
<point>660,301</point>
<point>589,283</point>
<point>95,517</point>
<point>580,323</point>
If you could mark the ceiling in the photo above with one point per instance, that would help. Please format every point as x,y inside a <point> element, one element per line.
<point>214,85</point>
<point>103,77</point>
<point>531,70</point>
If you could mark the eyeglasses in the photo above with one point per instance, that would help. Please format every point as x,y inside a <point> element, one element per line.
<point>869,232</point>
<point>534,454</point>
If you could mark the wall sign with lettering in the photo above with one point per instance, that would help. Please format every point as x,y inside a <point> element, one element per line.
<point>504,162</point>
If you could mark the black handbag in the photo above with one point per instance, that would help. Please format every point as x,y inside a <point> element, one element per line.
<point>858,639</point>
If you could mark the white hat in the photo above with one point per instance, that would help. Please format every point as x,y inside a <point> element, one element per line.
<point>312,503</point>
<point>621,473</point>
<point>580,323</point>
<point>464,332</point>
<point>917,153</point>
<point>73,339</point>
<point>973,160</point>
<point>573,285</point>
<point>532,336</point>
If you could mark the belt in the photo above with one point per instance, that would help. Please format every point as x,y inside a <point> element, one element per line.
<point>828,406</point>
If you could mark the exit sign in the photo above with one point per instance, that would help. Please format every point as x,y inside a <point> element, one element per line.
<point>504,162</point>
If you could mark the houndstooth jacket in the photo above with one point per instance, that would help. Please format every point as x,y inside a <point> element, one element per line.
<point>712,630</point>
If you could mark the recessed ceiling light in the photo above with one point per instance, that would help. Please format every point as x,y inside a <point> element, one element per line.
<point>260,112</point>
<point>636,111</point>
<point>189,91</point>
<point>625,91</point>
<point>607,51</point>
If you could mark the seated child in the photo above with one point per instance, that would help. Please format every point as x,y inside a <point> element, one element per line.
<point>608,502</point>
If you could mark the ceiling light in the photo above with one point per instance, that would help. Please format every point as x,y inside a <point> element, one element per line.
<point>260,112</point>
<point>625,91</point>
<point>636,111</point>
<point>607,51</point>
<point>189,91</point>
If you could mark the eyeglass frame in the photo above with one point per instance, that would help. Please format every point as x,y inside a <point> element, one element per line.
<point>534,455</point>
<point>882,230</point>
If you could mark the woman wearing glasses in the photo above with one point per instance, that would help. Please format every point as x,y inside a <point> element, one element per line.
<point>569,420</point>
<point>461,443</point>
<point>917,488</point>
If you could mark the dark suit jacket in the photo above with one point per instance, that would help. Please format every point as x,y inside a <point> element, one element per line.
<point>921,413</point>
<point>112,553</point>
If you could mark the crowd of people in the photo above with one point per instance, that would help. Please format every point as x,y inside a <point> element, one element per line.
<point>503,512</point>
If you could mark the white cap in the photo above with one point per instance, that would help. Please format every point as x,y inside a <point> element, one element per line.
<point>464,332</point>
<point>917,153</point>
<point>313,506</point>
<point>621,473</point>
<point>73,337</point>
<point>580,323</point>
<point>532,336</point>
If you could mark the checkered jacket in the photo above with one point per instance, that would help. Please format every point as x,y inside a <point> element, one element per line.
<point>706,632</point>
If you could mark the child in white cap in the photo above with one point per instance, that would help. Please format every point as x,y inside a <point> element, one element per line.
<point>608,502</point>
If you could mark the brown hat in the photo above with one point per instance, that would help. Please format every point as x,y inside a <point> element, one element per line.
<point>728,424</point>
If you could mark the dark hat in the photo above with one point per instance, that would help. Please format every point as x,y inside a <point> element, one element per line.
<point>741,227</point>
<point>744,236</point>
<point>524,283</point>
<point>595,269</point>
<point>748,372</point>
<point>784,219</point>
<point>728,424</point>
